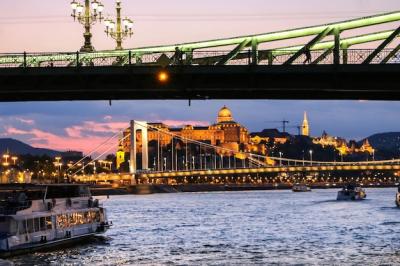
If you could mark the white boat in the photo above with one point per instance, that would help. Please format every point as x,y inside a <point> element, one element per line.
<point>351,192</point>
<point>301,188</point>
<point>398,197</point>
<point>38,217</point>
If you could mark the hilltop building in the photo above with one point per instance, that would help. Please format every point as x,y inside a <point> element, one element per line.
<point>225,133</point>
<point>341,145</point>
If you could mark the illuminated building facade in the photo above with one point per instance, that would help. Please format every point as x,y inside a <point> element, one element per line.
<point>120,156</point>
<point>225,133</point>
<point>341,145</point>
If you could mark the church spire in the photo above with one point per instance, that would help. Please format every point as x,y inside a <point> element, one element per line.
<point>305,129</point>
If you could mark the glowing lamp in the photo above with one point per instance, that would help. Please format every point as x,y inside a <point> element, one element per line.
<point>162,76</point>
<point>95,5</point>
<point>79,8</point>
<point>74,5</point>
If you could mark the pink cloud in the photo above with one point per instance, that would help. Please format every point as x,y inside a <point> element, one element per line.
<point>107,117</point>
<point>14,131</point>
<point>89,128</point>
<point>25,121</point>
<point>83,137</point>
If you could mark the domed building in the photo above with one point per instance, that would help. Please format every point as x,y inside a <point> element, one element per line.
<point>224,115</point>
<point>224,133</point>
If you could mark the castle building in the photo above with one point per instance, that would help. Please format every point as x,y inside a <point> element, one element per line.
<point>341,145</point>
<point>225,133</point>
<point>305,128</point>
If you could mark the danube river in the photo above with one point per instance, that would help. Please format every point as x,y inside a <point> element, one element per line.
<point>258,227</point>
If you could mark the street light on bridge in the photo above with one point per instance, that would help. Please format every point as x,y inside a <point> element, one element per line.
<point>119,29</point>
<point>311,156</point>
<point>87,15</point>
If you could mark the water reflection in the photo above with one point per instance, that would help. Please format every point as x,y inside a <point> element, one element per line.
<point>241,228</point>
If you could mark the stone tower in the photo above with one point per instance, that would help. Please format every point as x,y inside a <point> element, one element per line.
<point>305,128</point>
<point>120,156</point>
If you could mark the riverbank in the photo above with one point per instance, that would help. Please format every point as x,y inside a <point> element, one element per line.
<point>143,189</point>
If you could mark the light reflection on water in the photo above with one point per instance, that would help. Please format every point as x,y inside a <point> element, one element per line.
<point>260,227</point>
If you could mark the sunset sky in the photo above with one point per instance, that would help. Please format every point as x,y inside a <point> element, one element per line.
<point>46,25</point>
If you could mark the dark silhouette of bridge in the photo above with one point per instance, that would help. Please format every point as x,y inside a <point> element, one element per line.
<point>327,66</point>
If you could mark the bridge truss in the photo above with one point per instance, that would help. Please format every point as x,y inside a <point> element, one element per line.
<point>329,44</point>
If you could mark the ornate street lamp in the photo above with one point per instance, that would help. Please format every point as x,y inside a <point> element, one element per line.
<point>87,15</point>
<point>119,29</point>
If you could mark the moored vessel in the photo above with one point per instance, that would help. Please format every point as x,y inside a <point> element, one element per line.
<point>398,197</point>
<point>351,192</point>
<point>301,188</point>
<point>38,217</point>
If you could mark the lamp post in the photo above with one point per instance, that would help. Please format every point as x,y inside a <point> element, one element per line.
<point>119,29</point>
<point>280,158</point>
<point>87,15</point>
<point>311,156</point>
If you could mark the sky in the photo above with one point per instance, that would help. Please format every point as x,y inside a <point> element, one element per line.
<point>46,25</point>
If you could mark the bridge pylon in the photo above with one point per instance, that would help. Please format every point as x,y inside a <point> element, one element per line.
<point>136,126</point>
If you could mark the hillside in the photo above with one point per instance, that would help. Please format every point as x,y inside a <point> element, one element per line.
<point>388,142</point>
<point>18,147</point>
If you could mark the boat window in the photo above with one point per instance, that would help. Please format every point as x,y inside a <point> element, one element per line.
<point>62,221</point>
<point>42,223</point>
<point>37,224</point>
<point>13,227</point>
<point>77,218</point>
<point>48,223</point>
<point>22,227</point>
<point>30,225</point>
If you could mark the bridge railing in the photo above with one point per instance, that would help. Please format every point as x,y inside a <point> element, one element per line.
<point>195,58</point>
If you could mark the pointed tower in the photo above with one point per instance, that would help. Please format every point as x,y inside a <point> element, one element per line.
<point>305,128</point>
<point>120,156</point>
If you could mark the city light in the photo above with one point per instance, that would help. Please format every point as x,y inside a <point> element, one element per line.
<point>162,76</point>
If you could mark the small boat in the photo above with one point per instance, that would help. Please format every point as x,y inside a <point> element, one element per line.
<point>41,217</point>
<point>398,197</point>
<point>351,192</point>
<point>301,188</point>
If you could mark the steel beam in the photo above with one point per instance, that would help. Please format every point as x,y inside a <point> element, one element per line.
<point>308,46</point>
<point>259,38</point>
<point>391,54</point>
<point>321,57</point>
<point>382,46</point>
<point>280,35</point>
<point>234,52</point>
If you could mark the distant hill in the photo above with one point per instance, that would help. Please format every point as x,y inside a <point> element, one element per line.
<point>388,142</point>
<point>18,147</point>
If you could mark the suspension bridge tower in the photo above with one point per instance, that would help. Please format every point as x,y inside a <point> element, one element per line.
<point>141,127</point>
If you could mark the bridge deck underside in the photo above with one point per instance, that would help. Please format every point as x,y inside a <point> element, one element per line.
<point>377,82</point>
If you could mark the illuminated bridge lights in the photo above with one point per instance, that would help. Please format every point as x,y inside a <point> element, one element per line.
<point>163,76</point>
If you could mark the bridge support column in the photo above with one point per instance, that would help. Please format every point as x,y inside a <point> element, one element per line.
<point>254,51</point>
<point>336,49</point>
<point>134,127</point>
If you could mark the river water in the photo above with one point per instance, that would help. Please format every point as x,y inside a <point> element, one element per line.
<point>258,227</point>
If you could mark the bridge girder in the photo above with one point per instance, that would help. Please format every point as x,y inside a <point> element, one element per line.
<point>256,40</point>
